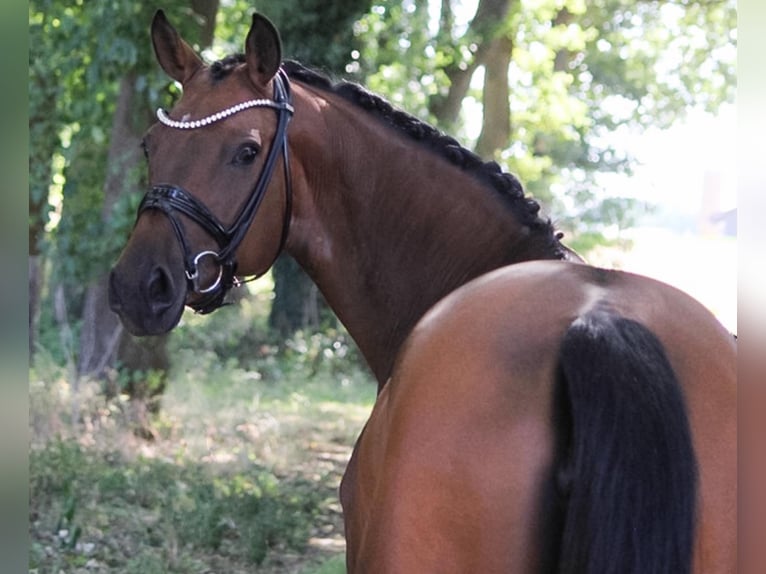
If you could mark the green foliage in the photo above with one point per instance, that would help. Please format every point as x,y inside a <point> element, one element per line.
<point>399,58</point>
<point>314,32</point>
<point>237,332</point>
<point>609,64</point>
<point>240,337</point>
<point>66,528</point>
<point>80,258</point>
<point>243,470</point>
<point>331,350</point>
<point>145,563</point>
<point>336,565</point>
<point>578,71</point>
<point>241,514</point>
<point>150,381</point>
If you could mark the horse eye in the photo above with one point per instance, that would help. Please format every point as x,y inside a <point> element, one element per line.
<point>246,154</point>
<point>145,148</point>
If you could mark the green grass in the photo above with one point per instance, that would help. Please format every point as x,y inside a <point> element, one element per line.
<point>242,474</point>
<point>334,565</point>
<point>145,504</point>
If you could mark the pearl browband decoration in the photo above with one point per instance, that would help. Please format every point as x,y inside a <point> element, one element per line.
<point>223,114</point>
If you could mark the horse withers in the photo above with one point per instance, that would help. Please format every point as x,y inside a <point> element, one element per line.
<point>534,414</point>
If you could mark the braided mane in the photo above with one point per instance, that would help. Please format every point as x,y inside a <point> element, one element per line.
<point>507,185</point>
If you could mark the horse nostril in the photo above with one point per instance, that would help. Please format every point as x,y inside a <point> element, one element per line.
<point>159,288</point>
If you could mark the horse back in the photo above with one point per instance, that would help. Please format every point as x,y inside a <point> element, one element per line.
<point>452,472</point>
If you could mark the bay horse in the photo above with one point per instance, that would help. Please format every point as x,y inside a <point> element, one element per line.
<point>534,414</point>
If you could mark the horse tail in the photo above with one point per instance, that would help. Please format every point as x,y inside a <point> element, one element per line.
<point>626,474</point>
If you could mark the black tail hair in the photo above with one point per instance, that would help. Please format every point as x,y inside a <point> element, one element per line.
<point>626,474</point>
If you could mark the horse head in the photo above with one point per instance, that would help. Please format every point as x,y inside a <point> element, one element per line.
<point>216,205</point>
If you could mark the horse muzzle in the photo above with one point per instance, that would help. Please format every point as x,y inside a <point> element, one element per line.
<point>149,303</point>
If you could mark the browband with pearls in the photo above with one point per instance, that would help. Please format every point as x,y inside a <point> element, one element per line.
<point>223,114</point>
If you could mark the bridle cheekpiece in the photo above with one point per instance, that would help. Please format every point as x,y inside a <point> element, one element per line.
<point>171,200</point>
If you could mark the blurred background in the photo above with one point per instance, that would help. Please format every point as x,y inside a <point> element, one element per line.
<point>219,446</point>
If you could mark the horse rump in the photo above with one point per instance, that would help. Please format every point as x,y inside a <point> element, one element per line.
<point>622,494</point>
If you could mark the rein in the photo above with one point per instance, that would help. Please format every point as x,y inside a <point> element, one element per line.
<point>171,199</point>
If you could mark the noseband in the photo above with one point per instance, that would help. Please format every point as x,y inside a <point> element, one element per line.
<point>171,200</point>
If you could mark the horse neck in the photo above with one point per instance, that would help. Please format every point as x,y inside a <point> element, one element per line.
<point>386,227</point>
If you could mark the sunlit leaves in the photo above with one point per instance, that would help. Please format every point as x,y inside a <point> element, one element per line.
<point>578,70</point>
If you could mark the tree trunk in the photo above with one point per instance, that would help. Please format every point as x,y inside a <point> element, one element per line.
<point>484,27</point>
<point>296,299</point>
<point>561,61</point>
<point>35,288</point>
<point>101,329</point>
<point>496,125</point>
<point>36,259</point>
<point>207,9</point>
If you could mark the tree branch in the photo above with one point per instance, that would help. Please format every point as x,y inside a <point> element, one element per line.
<point>485,25</point>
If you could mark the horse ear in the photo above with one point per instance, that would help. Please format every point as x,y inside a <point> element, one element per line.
<point>176,57</point>
<point>263,51</point>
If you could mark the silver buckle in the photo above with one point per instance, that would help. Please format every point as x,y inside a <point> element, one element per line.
<point>194,277</point>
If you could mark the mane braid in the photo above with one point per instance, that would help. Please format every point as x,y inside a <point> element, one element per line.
<point>510,188</point>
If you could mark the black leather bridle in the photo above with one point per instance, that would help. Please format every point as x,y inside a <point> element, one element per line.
<point>172,200</point>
